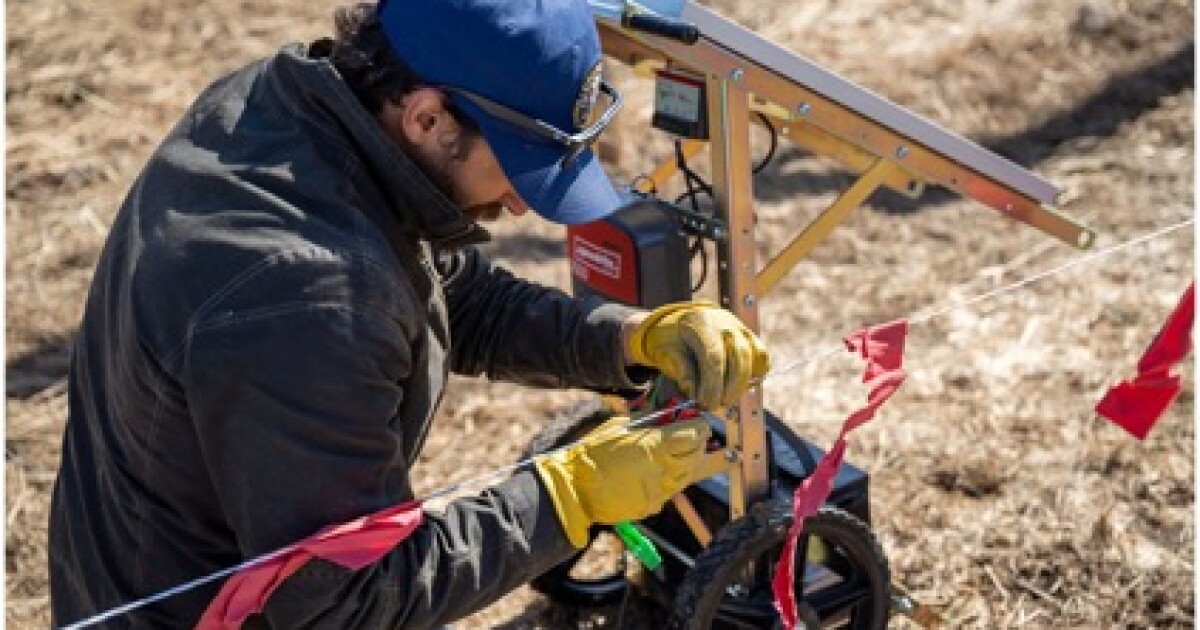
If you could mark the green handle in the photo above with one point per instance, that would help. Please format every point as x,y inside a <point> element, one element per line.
<point>637,543</point>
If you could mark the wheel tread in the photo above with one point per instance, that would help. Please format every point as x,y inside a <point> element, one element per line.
<point>702,590</point>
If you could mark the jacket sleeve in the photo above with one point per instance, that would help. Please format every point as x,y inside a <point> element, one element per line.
<point>515,330</point>
<point>296,409</point>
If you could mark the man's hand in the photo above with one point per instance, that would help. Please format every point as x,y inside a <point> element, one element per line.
<point>615,474</point>
<point>704,348</point>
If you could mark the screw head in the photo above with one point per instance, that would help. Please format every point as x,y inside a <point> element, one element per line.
<point>737,75</point>
<point>901,152</point>
<point>804,109</point>
<point>903,604</point>
<point>749,300</point>
<point>737,591</point>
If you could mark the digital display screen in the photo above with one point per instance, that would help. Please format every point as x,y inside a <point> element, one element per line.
<point>677,99</point>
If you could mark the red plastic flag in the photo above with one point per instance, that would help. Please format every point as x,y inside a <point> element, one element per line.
<point>1137,405</point>
<point>352,545</point>
<point>1174,341</point>
<point>883,349</point>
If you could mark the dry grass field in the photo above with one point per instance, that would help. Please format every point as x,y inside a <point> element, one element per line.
<point>1001,499</point>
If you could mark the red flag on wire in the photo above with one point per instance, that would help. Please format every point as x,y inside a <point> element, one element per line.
<point>1136,405</point>
<point>882,347</point>
<point>352,545</point>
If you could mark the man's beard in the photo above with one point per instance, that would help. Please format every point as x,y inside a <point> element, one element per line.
<point>439,174</point>
<point>484,211</point>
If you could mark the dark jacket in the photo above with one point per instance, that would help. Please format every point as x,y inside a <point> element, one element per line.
<point>266,340</point>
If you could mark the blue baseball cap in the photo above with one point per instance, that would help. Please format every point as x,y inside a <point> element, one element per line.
<point>504,60</point>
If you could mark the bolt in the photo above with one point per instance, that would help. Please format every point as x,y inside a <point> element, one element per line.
<point>732,456</point>
<point>804,109</point>
<point>737,75</point>
<point>748,300</point>
<point>737,591</point>
<point>901,152</point>
<point>903,604</point>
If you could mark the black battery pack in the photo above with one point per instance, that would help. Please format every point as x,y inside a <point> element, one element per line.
<point>637,256</point>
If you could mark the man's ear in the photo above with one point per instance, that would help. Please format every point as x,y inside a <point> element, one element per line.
<point>421,116</point>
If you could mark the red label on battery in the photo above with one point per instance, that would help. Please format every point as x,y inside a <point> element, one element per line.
<point>604,258</point>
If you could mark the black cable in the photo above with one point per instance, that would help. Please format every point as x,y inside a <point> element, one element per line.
<point>691,178</point>
<point>698,246</point>
<point>653,192</point>
<point>694,180</point>
<point>681,164</point>
<point>771,147</point>
<point>695,185</point>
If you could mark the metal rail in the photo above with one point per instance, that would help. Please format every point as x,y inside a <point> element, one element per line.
<point>799,90</point>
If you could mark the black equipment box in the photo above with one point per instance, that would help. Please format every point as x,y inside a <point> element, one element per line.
<point>636,256</point>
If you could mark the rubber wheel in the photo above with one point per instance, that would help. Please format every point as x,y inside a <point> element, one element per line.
<point>558,584</point>
<point>855,595</point>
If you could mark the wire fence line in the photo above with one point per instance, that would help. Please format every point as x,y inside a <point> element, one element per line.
<point>934,311</point>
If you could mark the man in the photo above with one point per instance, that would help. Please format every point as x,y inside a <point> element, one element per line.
<point>288,285</point>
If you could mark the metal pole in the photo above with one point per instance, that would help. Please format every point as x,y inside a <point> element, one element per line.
<point>729,130</point>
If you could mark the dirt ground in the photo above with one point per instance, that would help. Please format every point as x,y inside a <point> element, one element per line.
<point>999,496</point>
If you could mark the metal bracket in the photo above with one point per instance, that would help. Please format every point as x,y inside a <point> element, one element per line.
<point>699,224</point>
<point>820,227</point>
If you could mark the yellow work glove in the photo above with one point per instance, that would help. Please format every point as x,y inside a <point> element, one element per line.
<point>616,474</point>
<point>704,348</point>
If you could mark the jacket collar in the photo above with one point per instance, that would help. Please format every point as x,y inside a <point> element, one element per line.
<point>418,204</point>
